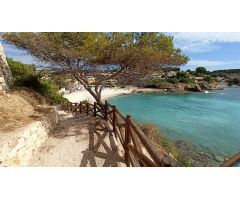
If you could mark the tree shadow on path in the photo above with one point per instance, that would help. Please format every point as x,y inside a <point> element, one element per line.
<point>102,150</point>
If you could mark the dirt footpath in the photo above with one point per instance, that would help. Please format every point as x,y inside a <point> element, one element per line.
<point>79,142</point>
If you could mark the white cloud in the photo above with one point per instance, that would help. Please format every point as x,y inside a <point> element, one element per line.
<point>207,36</point>
<point>198,47</point>
<point>198,42</point>
<point>207,63</point>
<point>213,63</point>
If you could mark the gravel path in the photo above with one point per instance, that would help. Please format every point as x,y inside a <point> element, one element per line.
<point>79,141</point>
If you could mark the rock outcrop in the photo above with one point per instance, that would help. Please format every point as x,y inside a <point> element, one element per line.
<point>6,79</point>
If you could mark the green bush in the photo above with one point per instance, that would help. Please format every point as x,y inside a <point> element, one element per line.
<point>209,79</point>
<point>26,76</point>
<point>173,80</point>
<point>23,74</point>
<point>152,83</point>
<point>59,79</point>
<point>201,70</point>
<point>234,81</point>
<point>50,90</point>
<point>186,80</point>
<point>182,75</point>
<point>154,134</point>
<point>189,71</point>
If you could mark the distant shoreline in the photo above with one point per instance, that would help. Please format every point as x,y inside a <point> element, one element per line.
<point>108,93</point>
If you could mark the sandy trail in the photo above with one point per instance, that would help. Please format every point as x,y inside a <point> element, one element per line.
<point>79,141</point>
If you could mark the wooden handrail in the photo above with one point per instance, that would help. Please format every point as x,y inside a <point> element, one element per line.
<point>130,135</point>
<point>150,147</point>
<point>231,161</point>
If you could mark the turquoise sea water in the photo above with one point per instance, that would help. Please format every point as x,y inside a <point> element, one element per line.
<point>210,121</point>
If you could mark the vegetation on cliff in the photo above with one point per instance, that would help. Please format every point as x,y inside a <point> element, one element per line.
<point>154,134</point>
<point>232,75</point>
<point>27,76</point>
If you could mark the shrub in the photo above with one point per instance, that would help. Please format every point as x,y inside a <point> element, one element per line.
<point>186,80</point>
<point>209,79</point>
<point>201,70</point>
<point>152,83</point>
<point>234,81</point>
<point>173,80</point>
<point>182,75</point>
<point>23,74</point>
<point>154,134</point>
<point>189,71</point>
<point>59,79</point>
<point>26,76</point>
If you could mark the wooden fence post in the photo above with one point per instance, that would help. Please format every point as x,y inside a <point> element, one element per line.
<point>105,110</point>
<point>114,118</point>
<point>76,105</point>
<point>127,140</point>
<point>80,107</point>
<point>68,106</point>
<point>87,108</point>
<point>95,109</point>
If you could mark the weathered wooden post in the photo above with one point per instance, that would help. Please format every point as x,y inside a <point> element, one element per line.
<point>64,105</point>
<point>80,107</point>
<point>68,105</point>
<point>95,109</point>
<point>76,106</point>
<point>114,118</point>
<point>87,108</point>
<point>105,110</point>
<point>127,140</point>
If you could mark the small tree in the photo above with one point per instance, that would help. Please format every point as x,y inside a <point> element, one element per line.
<point>83,54</point>
<point>201,70</point>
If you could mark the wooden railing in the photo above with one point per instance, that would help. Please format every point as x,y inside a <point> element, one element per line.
<point>231,161</point>
<point>139,150</point>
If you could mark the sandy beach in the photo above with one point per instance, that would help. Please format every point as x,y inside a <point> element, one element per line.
<point>107,93</point>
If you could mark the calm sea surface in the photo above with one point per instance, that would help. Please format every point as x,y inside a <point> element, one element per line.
<point>210,121</point>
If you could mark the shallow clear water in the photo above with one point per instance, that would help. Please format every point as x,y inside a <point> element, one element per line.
<point>211,121</point>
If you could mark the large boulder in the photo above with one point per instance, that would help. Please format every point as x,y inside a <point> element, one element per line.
<point>6,79</point>
<point>193,87</point>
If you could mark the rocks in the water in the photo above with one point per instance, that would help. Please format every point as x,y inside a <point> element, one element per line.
<point>204,86</point>
<point>197,157</point>
<point>193,88</point>
<point>197,88</point>
<point>220,158</point>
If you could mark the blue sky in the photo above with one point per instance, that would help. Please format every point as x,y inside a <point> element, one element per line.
<point>20,54</point>
<point>217,50</point>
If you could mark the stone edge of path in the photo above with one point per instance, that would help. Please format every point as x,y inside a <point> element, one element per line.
<point>18,147</point>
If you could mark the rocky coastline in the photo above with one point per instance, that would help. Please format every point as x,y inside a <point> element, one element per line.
<point>182,88</point>
<point>197,156</point>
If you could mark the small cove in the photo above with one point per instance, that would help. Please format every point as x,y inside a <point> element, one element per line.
<point>211,121</point>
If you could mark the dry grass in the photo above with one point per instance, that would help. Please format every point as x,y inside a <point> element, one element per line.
<point>34,98</point>
<point>162,143</point>
<point>19,107</point>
